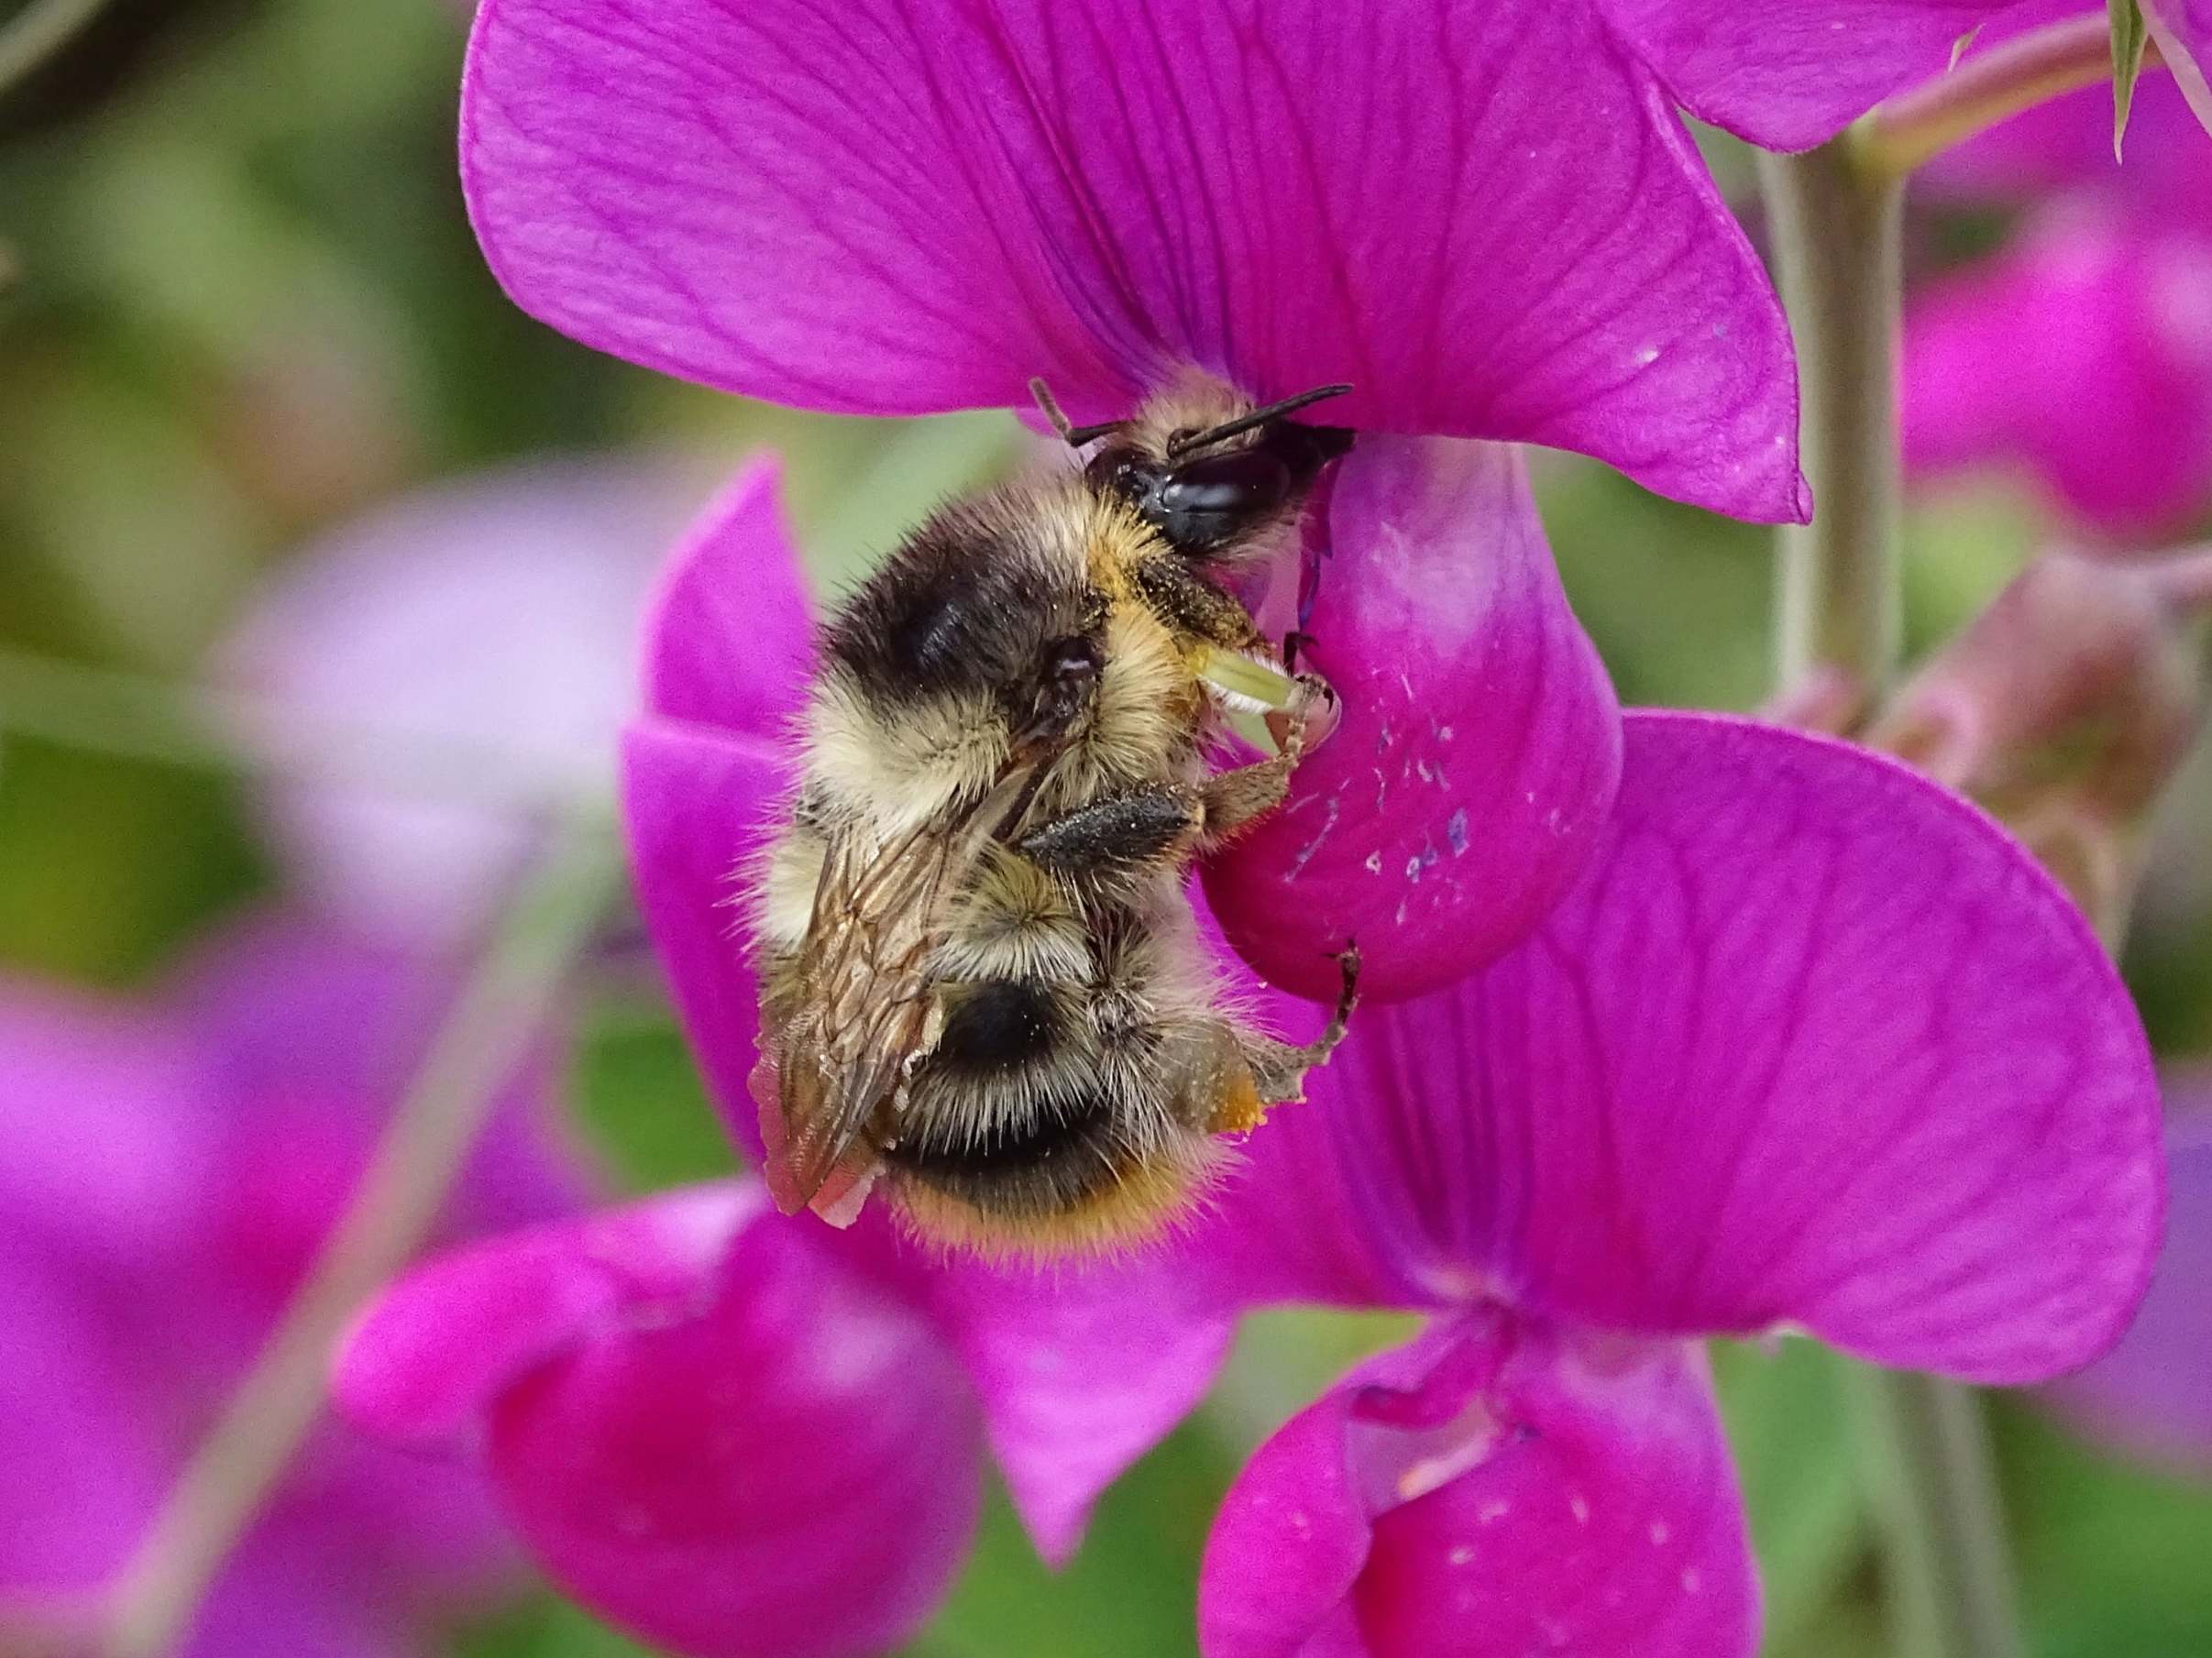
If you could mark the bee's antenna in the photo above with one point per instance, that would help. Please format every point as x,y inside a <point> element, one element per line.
<point>1049,406</point>
<point>1075,437</point>
<point>1257,418</point>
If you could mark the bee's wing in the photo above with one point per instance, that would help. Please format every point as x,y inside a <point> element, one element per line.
<point>868,1013</point>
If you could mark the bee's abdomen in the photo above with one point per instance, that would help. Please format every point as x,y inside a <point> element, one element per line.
<point>1016,1165</point>
<point>1003,1025</point>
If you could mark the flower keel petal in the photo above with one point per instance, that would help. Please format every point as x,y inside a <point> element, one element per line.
<point>1492,1489</point>
<point>1480,746</point>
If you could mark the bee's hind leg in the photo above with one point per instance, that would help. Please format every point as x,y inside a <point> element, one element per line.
<point>1278,1069</point>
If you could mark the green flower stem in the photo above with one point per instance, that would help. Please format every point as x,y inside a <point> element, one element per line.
<point>165,723</point>
<point>1836,227</point>
<point>37,32</point>
<point>1915,127</point>
<point>1837,239</point>
<point>490,1026</point>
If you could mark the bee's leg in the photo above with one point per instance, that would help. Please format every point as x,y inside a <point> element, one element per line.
<point>1190,603</point>
<point>1163,824</point>
<point>1235,798</point>
<point>1118,834</point>
<point>1278,1069</point>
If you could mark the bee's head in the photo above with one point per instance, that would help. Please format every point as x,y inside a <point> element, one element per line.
<point>1208,488</point>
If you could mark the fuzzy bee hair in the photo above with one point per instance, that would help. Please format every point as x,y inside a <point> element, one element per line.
<point>983,986</point>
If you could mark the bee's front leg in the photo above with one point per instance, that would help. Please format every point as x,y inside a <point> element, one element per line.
<point>1118,835</point>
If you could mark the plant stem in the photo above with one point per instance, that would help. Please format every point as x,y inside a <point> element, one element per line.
<point>490,1026</point>
<point>1933,1491</point>
<point>1837,239</point>
<point>1914,127</point>
<point>135,718</point>
<point>36,33</point>
<point>1836,228</point>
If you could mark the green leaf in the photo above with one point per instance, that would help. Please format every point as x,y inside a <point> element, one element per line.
<point>2128,40</point>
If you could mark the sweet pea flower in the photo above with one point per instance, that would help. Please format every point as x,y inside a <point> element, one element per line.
<point>2152,1396</point>
<point>2080,353</point>
<point>1485,218</point>
<point>480,636</point>
<point>171,1167</point>
<point>1810,1045</point>
<point>736,1436</point>
<point>1812,1048</point>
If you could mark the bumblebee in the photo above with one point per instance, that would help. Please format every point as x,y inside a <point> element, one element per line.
<point>982,988</point>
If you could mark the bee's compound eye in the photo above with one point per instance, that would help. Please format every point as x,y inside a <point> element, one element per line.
<point>1206,502</point>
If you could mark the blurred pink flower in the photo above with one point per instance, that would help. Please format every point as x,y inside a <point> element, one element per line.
<point>2081,351</point>
<point>1812,1048</point>
<point>171,1169</point>
<point>483,634</point>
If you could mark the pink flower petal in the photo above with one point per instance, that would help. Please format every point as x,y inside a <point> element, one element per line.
<point>793,1472</point>
<point>1081,1371</point>
<point>730,636</point>
<point>1812,1043</point>
<point>2082,352</point>
<point>1480,746</point>
<point>1796,71</point>
<point>898,210</point>
<point>107,1127</point>
<point>433,1353</point>
<point>493,618</point>
<point>698,804</point>
<point>2183,29</point>
<point>1492,1488</point>
<point>2152,1394</point>
<point>701,1425</point>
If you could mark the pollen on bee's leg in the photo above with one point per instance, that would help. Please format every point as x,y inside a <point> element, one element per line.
<point>1238,1108</point>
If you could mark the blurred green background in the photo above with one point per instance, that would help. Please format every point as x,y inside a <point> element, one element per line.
<point>239,303</point>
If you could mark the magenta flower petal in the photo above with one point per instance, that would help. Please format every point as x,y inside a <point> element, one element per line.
<point>1814,1043</point>
<point>899,211</point>
<point>431,1356</point>
<point>1494,1487</point>
<point>702,1427</point>
<point>1081,1371</point>
<point>2082,352</point>
<point>2183,29</point>
<point>495,617</point>
<point>1798,71</point>
<point>104,1127</point>
<point>698,804</point>
<point>2152,1394</point>
<point>730,636</point>
<point>1479,748</point>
